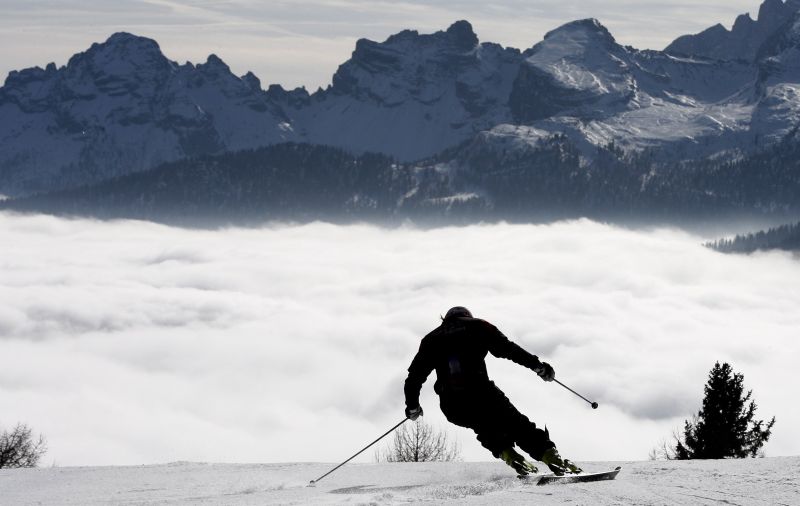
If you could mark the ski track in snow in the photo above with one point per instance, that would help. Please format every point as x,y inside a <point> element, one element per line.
<point>769,481</point>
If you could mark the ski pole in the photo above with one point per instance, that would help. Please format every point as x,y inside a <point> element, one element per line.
<point>593,404</point>
<point>313,482</point>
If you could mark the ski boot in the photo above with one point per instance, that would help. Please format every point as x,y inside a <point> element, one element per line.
<point>518,462</point>
<point>558,465</point>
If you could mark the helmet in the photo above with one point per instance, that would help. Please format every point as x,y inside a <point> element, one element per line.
<point>458,311</point>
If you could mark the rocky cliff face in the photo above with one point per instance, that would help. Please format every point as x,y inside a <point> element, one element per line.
<point>777,89</point>
<point>744,40</point>
<point>120,107</point>
<point>413,95</point>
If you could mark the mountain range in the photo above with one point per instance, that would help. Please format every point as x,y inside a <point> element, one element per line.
<point>445,104</point>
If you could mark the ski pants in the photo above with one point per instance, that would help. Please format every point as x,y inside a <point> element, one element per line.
<point>496,422</point>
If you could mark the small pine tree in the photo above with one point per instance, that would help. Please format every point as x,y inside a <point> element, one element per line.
<point>724,427</point>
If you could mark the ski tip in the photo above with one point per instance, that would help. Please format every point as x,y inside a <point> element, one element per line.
<point>312,483</point>
<point>579,478</point>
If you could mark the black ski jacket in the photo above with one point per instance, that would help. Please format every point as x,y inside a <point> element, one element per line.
<point>456,350</point>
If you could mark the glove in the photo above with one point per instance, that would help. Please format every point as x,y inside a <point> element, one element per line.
<point>413,413</point>
<point>546,372</point>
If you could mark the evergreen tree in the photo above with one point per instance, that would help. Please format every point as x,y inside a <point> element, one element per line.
<point>725,426</point>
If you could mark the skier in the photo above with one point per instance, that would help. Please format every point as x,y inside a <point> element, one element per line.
<point>456,350</point>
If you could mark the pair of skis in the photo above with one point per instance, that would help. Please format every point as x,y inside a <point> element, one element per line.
<point>547,479</point>
<point>572,478</point>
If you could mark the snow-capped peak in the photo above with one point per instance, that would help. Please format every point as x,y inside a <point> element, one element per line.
<point>582,31</point>
<point>122,106</point>
<point>578,65</point>
<point>585,41</point>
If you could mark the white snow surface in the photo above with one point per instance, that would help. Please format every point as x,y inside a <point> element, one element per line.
<point>581,56</point>
<point>644,99</point>
<point>768,481</point>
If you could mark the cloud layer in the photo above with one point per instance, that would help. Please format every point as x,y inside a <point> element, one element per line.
<point>296,43</point>
<point>129,342</point>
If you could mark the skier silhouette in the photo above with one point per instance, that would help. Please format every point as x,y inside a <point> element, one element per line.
<point>456,350</point>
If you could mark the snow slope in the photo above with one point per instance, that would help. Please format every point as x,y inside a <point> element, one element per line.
<point>581,82</point>
<point>769,481</point>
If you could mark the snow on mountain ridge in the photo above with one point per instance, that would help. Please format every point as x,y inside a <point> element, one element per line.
<point>413,95</point>
<point>410,96</point>
<point>122,106</point>
<point>577,66</point>
<point>579,82</point>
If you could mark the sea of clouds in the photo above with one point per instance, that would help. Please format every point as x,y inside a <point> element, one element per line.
<point>129,342</point>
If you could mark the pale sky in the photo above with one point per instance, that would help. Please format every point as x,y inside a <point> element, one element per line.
<point>302,42</point>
